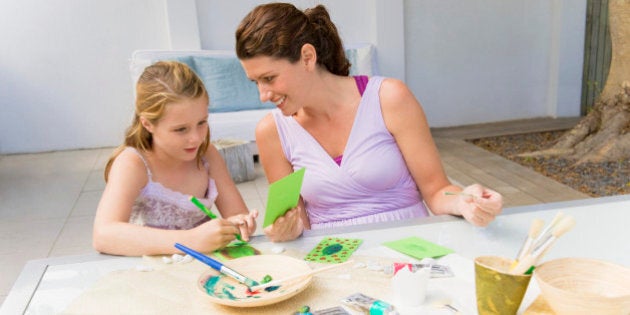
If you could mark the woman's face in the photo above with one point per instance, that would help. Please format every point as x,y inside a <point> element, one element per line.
<point>278,81</point>
<point>182,129</point>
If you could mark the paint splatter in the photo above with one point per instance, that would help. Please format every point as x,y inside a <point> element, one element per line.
<point>236,251</point>
<point>331,249</point>
<point>219,287</point>
<point>266,279</point>
<point>272,288</point>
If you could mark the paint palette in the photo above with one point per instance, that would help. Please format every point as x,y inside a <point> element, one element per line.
<point>224,290</point>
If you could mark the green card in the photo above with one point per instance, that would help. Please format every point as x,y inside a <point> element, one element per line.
<point>283,195</point>
<point>418,248</point>
<point>333,250</point>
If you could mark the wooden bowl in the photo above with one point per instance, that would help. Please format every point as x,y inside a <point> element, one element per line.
<point>584,286</point>
<point>224,290</point>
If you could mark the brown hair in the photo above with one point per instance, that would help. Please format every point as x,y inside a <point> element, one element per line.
<point>160,84</point>
<point>279,30</point>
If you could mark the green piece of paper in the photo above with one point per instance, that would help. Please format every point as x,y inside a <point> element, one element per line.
<point>418,248</point>
<point>333,250</point>
<point>283,195</point>
<point>236,250</point>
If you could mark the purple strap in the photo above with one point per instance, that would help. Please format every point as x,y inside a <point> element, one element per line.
<point>362,81</point>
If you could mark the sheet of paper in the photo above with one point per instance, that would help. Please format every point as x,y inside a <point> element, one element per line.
<point>283,195</point>
<point>236,250</point>
<point>418,248</point>
<point>333,250</point>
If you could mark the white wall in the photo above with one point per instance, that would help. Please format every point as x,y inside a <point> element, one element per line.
<point>65,83</point>
<point>64,78</point>
<point>480,61</point>
<point>571,24</point>
<point>378,22</point>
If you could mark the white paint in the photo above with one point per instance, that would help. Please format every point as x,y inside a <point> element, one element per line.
<point>177,258</point>
<point>277,249</point>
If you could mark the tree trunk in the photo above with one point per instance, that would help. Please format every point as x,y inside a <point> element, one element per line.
<point>604,133</point>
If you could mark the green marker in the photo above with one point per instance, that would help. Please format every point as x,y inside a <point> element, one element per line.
<point>209,213</point>
<point>202,207</point>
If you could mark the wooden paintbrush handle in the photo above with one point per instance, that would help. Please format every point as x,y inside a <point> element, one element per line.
<point>297,276</point>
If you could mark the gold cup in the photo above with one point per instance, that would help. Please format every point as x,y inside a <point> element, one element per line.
<point>498,292</point>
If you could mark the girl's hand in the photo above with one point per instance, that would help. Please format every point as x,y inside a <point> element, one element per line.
<point>287,227</point>
<point>213,235</point>
<point>479,205</point>
<point>246,223</point>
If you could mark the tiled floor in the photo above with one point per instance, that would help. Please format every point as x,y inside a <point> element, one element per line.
<point>48,200</point>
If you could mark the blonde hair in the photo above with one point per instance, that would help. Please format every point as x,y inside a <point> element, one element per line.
<point>160,84</point>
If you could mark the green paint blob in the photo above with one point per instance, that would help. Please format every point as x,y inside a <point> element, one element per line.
<point>266,279</point>
<point>331,249</point>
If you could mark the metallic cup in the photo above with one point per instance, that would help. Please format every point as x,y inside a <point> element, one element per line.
<point>498,292</point>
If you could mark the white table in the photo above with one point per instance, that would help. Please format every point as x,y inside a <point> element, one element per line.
<point>601,232</point>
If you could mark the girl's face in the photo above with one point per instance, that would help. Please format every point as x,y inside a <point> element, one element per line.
<point>278,81</point>
<point>181,130</point>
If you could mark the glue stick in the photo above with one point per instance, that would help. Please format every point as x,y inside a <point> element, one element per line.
<point>368,305</point>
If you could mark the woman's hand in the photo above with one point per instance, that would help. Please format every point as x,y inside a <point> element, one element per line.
<point>213,235</point>
<point>479,205</point>
<point>287,227</point>
<point>246,223</point>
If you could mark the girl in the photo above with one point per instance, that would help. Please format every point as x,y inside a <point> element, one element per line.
<point>166,158</point>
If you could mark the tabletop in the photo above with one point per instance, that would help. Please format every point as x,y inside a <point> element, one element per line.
<point>601,232</point>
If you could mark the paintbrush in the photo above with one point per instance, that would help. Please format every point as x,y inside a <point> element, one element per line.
<point>209,213</point>
<point>565,224</point>
<point>544,235</point>
<point>534,230</point>
<point>296,276</point>
<point>216,265</point>
<point>531,259</point>
<point>459,193</point>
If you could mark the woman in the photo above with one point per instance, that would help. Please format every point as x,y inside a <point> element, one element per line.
<point>365,142</point>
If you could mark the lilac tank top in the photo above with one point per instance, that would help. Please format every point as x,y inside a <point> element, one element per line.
<point>361,81</point>
<point>372,184</point>
<point>161,207</point>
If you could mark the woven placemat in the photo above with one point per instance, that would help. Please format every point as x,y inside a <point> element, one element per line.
<point>171,288</point>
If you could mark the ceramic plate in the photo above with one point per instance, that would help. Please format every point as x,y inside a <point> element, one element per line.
<point>224,290</point>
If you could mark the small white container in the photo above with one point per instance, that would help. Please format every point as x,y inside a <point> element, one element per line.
<point>409,289</point>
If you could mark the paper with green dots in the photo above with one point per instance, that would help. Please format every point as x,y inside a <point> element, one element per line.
<point>418,248</point>
<point>333,250</point>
